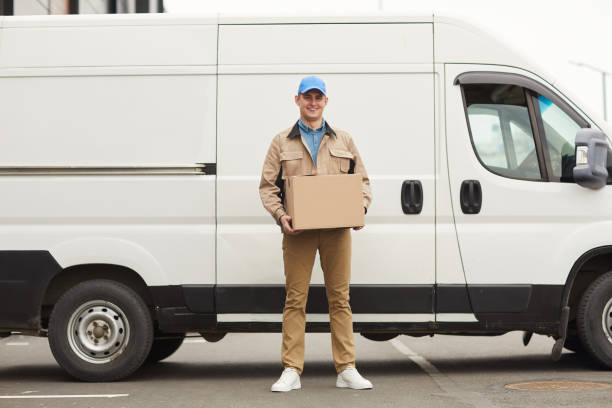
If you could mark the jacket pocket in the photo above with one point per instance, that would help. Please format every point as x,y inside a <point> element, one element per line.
<point>342,158</point>
<point>291,162</point>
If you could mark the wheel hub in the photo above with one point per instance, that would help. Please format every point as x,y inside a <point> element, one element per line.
<point>606,320</point>
<point>98,332</point>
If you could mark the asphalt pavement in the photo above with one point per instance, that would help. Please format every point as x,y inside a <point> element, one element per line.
<point>443,371</point>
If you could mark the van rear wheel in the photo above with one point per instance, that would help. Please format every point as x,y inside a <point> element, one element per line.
<point>594,320</point>
<point>100,330</point>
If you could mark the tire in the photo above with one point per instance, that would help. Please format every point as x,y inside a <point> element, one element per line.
<point>164,348</point>
<point>100,330</point>
<point>380,336</point>
<point>594,320</point>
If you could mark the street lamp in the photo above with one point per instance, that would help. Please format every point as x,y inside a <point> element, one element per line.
<point>603,83</point>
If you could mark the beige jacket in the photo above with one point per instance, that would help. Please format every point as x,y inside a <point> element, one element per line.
<point>289,155</point>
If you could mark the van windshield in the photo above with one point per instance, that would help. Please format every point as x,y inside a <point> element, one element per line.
<point>560,132</point>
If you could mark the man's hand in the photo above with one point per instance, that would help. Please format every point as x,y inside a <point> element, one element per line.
<point>358,228</point>
<point>286,225</point>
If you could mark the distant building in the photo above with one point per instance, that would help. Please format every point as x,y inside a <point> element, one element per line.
<point>37,7</point>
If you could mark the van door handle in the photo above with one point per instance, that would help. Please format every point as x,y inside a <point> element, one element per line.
<point>470,197</point>
<point>412,197</point>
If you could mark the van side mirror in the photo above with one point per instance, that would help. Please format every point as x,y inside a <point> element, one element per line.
<point>593,153</point>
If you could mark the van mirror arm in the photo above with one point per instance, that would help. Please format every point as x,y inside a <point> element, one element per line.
<point>593,156</point>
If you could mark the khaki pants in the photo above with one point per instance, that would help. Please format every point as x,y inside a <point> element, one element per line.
<point>299,252</point>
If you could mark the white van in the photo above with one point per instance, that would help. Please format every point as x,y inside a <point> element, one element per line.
<point>131,148</point>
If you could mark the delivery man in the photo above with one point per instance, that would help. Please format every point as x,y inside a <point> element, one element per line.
<point>312,147</point>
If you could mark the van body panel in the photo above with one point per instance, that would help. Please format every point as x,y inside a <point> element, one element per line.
<point>162,226</point>
<point>325,43</point>
<point>458,42</point>
<point>124,118</point>
<point>112,251</point>
<point>82,45</point>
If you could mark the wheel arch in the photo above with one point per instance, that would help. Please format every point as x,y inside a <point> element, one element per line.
<point>75,274</point>
<point>588,267</point>
<point>113,251</point>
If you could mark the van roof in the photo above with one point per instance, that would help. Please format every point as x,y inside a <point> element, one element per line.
<point>220,18</point>
<point>456,40</point>
<point>475,43</point>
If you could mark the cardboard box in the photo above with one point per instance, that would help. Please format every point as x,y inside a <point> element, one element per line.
<point>332,201</point>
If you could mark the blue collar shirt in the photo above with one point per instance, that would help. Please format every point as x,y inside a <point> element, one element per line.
<point>312,137</point>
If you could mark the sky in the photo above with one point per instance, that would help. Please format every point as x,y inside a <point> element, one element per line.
<point>554,33</point>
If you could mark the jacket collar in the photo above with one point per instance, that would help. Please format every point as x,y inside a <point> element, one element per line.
<point>295,131</point>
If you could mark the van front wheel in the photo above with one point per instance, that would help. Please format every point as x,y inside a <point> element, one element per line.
<point>594,320</point>
<point>100,330</point>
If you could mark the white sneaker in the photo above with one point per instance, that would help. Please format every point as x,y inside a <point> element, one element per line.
<point>289,380</point>
<point>350,378</point>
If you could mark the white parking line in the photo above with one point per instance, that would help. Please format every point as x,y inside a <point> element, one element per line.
<point>17,343</point>
<point>447,385</point>
<point>63,396</point>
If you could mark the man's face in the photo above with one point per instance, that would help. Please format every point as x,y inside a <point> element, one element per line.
<point>311,104</point>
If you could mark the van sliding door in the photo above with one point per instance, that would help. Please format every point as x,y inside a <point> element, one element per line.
<point>380,88</point>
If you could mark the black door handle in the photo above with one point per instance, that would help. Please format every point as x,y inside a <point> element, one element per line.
<point>470,197</point>
<point>412,197</point>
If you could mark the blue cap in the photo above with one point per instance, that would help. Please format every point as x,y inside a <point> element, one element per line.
<point>311,82</point>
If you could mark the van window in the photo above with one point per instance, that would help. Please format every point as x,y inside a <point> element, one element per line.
<point>501,130</point>
<point>560,132</point>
